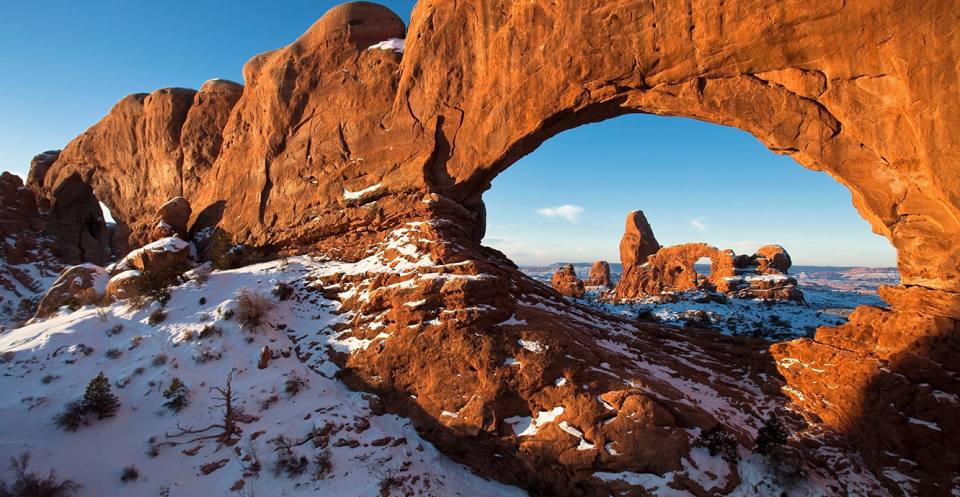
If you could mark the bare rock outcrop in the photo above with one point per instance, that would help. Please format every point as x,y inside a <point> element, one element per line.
<point>166,256</point>
<point>334,144</point>
<point>171,219</point>
<point>566,281</point>
<point>77,286</point>
<point>599,275</point>
<point>638,241</point>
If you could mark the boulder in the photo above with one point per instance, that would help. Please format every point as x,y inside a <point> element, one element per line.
<point>125,285</point>
<point>566,282</point>
<point>77,286</point>
<point>772,259</point>
<point>164,257</point>
<point>638,241</point>
<point>171,219</point>
<point>599,275</point>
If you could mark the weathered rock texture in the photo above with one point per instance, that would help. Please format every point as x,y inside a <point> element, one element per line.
<point>638,241</point>
<point>599,275</point>
<point>331,146</point>
<point>565,281</point>
<point>77,286</point>
<point>762,275</point>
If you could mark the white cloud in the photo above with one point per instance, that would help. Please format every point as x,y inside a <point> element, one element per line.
<point>569,212</point>
<point>697,223</point>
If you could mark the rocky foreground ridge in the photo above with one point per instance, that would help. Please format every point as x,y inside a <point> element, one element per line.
<point>346,147</point>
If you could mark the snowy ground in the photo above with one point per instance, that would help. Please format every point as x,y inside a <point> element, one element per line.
<point>45,366</point>
<point>830,293</point>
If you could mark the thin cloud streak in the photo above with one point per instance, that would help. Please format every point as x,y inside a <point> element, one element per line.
<point>697,223</point>
<point>567,211</point>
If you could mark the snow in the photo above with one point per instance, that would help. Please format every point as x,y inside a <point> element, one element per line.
<point>169,244</point>
<point>928,424</point>
<point>395,44</point>
<point>348,195</point>
<point>68,350</point>
<point>532,346</point>
<point>524,426</point>
<point>513,321</point>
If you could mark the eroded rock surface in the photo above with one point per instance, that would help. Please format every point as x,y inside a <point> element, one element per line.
<point>566,281</point>
<point>599,275</point>
<point>77,286</point>
<point>334,144</point>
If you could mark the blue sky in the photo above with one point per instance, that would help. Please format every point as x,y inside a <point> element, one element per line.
<point>66,63</point>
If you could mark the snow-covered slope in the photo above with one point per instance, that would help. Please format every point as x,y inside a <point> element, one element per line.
<point>48,364</point>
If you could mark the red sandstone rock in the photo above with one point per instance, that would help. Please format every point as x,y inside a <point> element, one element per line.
<point>566,282</point>
<point>672,269</point>
<point>773,259</point>
<point>265,357</point>
<point>172,218</point>
<point>599,275</point>
<point>332,146</point>
<point>638,241</point>
<point>78,285</point>
<point>164,257</point>
<point>125,285</point>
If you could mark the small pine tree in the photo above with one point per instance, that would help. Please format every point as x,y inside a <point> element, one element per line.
<point>771,435</point>
<point>720,443</point>
<point>99,398</point>
<point>177,395</point>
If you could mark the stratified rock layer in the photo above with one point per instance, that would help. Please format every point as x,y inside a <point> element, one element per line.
<point>331,146</point>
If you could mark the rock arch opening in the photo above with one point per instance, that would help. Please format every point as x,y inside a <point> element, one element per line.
<point>696,182</point>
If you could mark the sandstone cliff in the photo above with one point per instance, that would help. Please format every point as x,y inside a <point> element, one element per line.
<point>335,145</point>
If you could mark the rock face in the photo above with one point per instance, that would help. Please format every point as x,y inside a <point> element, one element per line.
<point>565,281</point>
<point>638,241</point>
<point>77,286</point>
<point>172,218</point>
<point>599,275</point>
<point>167,256</point>
<point>671,269</point>
<point>332,146</point>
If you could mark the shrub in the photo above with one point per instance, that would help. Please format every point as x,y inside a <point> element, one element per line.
<point>389,479</point>
<point>99,399</point>
<point>113,353</point>
<point>202,301</point>
<point>129,473</point>
<point>159,360</point>
<point>288,461</point>
<point>322,465</point>
<point>73,416</point>
<point>771,435</point>
<point>282,291</point>
<point>115,330</point>
<point>30,484</point>
<point>156,317</point>
<point>209,331</point>
<point>177,395</point>
<point>46,380</point>
<point>252,308</point>
<point>719,442</point>
<point>294,384</point>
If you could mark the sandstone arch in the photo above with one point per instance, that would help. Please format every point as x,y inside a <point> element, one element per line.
<point>332,145</point>
<point>483,83</point>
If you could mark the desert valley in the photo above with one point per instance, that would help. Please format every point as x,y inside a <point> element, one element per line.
<point>293,296</point>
